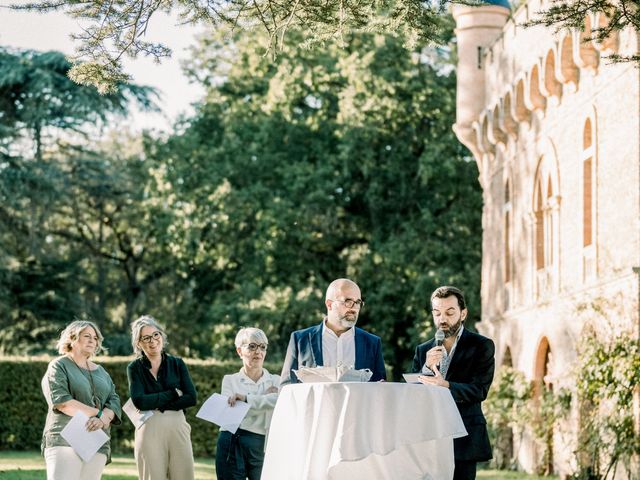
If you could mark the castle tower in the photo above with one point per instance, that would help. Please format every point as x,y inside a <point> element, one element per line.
<point>476,29</point>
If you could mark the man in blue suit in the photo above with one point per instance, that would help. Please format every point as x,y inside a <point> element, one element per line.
<point>336,341</point>
<point>463,363</point>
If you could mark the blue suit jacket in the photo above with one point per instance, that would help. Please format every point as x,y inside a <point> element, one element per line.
<point>305,350</point>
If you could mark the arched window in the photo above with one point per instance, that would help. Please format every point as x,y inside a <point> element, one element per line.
<point>539,227</point>
<point>545,218</point>
<point>507,232</point>
<point>588,200</point>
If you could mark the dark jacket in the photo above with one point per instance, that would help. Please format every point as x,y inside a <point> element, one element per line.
<point>470,375</point>
<point>147,393</point>
<point>305,350</point>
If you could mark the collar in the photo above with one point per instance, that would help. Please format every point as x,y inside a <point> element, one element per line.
<point>245,379</point>
<point>147,363</point>
<point>326,330</point>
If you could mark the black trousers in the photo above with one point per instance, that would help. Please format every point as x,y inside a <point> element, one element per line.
<point>464,471</point>
<point>239,456</point>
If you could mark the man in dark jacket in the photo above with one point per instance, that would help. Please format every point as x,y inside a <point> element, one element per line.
<point>464,363</point>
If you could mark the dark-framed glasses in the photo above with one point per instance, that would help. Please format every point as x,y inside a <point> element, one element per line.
<point>154,336</point>
<point>350,303</point>
<point>252,347</point>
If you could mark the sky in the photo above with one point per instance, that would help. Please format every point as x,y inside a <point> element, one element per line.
<point>51,31</point>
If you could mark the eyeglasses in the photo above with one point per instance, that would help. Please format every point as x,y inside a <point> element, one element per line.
<point>349,303</point>
<point>252,347</point>
<point>154,336</point>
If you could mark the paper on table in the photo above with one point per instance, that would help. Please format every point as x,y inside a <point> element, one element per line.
<point>137,417</point>
<point>411,377</point>
<point>216,409</point>
<point>84,443</point>
<point>340,373</point>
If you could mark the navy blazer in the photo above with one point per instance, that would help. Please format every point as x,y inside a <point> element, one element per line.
<point>305,350</point>
<point>469,375</point>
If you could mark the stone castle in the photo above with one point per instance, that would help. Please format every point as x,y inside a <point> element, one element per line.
<point>555,130</point>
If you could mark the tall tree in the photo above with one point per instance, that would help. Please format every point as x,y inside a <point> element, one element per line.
<point>45,122</point>
<point>317,165</point>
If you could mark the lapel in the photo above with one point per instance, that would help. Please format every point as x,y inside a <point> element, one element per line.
<point>361,354</point>
<point>315,339</point>
<point>461,352</point>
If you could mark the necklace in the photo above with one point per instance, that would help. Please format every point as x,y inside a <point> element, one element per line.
<point>94,396</point>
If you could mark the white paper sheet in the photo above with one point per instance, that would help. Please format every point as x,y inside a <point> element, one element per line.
<point>411,377</point>
<point>340,373</point>
<point>84,443</point>
<point>137,417</point>
<point>216,409</point>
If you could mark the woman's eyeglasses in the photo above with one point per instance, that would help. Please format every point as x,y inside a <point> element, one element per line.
<point>252,347</point>
<point>154,336</point>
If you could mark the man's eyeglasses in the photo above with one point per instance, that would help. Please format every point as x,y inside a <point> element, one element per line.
<point>154,336</point>
<point>349,303</point>
<point>252,347</point>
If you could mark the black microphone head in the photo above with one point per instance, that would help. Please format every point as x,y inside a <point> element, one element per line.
<point>439,337</point>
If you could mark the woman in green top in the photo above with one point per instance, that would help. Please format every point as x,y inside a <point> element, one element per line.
<point>73,384</point>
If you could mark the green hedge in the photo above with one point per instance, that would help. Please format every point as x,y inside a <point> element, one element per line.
<point>23,409</point>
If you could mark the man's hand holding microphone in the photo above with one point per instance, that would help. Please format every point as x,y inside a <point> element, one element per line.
<point>434,357</point>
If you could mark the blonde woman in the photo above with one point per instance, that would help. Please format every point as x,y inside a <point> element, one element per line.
<point>74,383</point>
<point>160,382</point>
<point>240,455</point>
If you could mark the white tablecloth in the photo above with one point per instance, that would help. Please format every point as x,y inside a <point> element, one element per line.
<point>354,431</point>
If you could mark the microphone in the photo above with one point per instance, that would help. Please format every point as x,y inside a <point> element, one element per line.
<point>439,341</point>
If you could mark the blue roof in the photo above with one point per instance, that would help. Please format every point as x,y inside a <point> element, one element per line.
<point>498,3</point>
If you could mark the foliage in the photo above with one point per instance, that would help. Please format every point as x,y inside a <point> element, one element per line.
<point>294,172</point>
<point>23,400</point>
<point>508,412</point>
<point>318,165</point>
<point>38,100</point>
<point>607,387</point>
<point>59,201</point>
<point>116,29</point>
<point>607,374</point>
<point>614,17</point>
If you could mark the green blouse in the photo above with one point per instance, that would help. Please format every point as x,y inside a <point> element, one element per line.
<point>65,381</point>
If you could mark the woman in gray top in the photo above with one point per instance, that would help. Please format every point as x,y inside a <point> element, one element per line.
<point>73,384</point>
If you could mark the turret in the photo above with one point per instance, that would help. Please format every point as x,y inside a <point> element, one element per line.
<point>477,27</point>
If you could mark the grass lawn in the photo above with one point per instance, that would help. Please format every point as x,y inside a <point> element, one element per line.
<point>30,466</point>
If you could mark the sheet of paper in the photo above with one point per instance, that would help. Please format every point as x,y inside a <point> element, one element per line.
<point>216,409</point>
<point>411,377</point>
<point>84,443</point>
<point>137,417</point>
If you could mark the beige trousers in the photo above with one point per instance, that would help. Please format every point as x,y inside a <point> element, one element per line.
<point>163,447</point>
<point>64,464</point>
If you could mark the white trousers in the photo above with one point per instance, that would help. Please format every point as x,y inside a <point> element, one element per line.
<point>64,464</point>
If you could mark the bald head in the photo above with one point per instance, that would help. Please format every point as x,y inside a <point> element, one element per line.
<point>336,287</point>
<point>341,318</point>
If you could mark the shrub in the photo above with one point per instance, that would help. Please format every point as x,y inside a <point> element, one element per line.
<point>24,408</point>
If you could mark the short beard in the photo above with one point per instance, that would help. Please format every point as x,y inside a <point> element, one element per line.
<point>450,333</point>
<point>347,323</point>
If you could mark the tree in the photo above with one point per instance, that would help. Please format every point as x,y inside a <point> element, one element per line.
<point>614,17</point>
<point>116,29</point>
<point>45,121</point>
<point>320,164</point>
<point>38,98</point>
